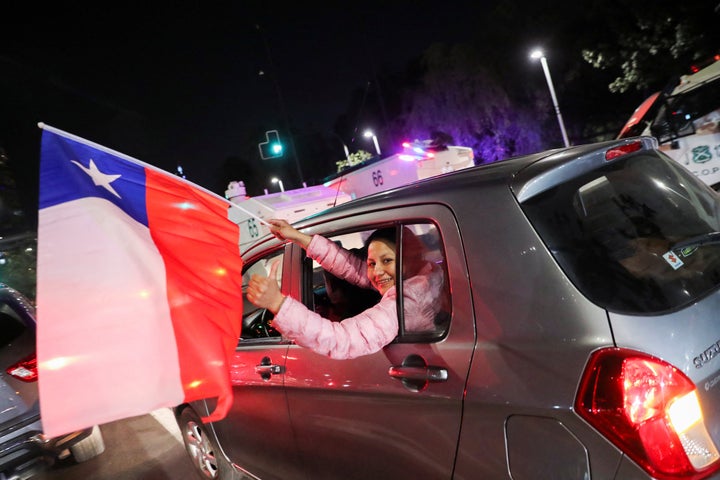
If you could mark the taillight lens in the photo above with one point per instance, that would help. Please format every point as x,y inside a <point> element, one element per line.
<point>25,370</point>
<point>650,410</point>
<point>621,150</point>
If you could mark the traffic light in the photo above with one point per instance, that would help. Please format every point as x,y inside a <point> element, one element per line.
<point>272,147</point>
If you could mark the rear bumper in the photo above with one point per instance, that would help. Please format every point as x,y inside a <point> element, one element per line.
<point>25,443</point>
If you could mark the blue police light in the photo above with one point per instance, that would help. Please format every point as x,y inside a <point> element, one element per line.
<point>416,150</point>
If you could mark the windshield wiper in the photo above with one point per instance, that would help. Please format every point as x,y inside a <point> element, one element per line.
<point>698,241</point>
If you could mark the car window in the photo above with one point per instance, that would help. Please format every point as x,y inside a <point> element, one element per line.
<point>425,274</point>
<point>617,230</point>
<point>425,303</point>
<point>257,321</point>
<point>694,111</point>
<point>11,325</point>
<point>334,298</point>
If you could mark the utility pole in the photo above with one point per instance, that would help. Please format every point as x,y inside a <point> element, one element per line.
<point>281,103</point>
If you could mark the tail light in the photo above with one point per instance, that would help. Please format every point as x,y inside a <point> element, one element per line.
<point>25,370</point>
<point>650,411</point>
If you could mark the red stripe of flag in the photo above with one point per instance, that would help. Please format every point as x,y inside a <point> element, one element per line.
<point>199,246</point>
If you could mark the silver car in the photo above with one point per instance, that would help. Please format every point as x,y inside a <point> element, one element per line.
<point>24,449</point>
<point>578,334</point>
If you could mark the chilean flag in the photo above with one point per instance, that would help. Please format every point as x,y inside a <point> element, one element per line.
<point>139,297</point>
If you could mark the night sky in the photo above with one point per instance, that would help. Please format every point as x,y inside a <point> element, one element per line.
<point>191,75</point>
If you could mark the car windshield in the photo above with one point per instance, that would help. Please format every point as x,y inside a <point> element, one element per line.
<point>694,111</point>
<point>636,236</point>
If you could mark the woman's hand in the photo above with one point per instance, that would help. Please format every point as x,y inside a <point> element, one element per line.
<point>284,231</point>
<point>263,292</point>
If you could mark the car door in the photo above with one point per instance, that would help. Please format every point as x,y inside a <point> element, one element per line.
<point>256,431</point>
<point>396,413</point>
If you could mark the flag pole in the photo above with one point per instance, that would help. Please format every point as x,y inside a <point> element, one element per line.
<point>110,151</point>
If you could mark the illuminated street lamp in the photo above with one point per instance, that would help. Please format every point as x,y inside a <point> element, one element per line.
<point>539,54</point>
<point>279,182</point>
<point>368,134</point>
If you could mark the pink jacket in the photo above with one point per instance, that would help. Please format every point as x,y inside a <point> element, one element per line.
<point>369,331</point>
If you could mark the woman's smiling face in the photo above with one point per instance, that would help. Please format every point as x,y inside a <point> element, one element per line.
<point>381,265</point>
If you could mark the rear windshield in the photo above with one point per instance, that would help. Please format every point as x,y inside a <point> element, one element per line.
<point>11,324</point>
<point>616,233</point>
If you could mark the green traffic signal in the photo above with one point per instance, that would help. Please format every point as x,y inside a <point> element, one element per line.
<point>272,147</point>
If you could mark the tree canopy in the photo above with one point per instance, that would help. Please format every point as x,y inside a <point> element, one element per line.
<point>458,97</point>
<point>651,41</point>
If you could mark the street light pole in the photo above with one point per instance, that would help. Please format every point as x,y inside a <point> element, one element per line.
<point>279,182</point>
<point>368,134</point>
<point>345,147</point>
<point>539,54</point>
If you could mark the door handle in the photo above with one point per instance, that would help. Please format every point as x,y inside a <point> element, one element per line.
<point>415,374</point>
<point>430,374</point>
<point>266,368</point>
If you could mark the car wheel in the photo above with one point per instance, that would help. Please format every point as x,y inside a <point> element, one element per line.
<point>89,447</point>
<point>209,461</point>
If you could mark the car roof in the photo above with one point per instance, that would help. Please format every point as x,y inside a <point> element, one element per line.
<point>419,191</point>
<point>9,294</point>
<point>526,175</point>
<point>689,82</point>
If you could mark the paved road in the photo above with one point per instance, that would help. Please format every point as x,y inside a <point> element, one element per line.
<point>139,448</point>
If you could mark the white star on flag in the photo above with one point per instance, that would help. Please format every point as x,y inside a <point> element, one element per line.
<point>99,179</point>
